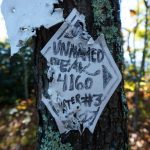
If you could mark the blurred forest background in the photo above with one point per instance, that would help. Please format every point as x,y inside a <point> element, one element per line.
<point>17,102</point>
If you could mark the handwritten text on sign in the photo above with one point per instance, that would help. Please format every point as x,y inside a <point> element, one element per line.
<point>84,76</point>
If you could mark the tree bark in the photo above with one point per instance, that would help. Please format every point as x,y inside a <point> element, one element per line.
<point>111,129</point>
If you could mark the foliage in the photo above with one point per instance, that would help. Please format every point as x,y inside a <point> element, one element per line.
<point>17,131</point>
<point>137,79</point>
<point>136,70</point>
<point>12,74</point>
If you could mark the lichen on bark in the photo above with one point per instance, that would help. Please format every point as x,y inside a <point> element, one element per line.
<point>107,21</point>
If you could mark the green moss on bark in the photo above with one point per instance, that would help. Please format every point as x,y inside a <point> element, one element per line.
<point>51,139</point>
<point>106,22</point>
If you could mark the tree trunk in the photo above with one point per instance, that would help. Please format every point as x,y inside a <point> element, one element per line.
<point>102,16</point>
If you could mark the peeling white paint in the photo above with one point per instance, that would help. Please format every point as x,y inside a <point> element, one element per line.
<point>23,17</point>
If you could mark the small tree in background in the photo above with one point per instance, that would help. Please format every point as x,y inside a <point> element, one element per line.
<point>135,71</point>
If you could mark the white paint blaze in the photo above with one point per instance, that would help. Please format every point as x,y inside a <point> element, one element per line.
<point>22,17</point>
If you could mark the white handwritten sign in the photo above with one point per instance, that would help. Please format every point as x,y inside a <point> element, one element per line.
<point>83,73</point>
